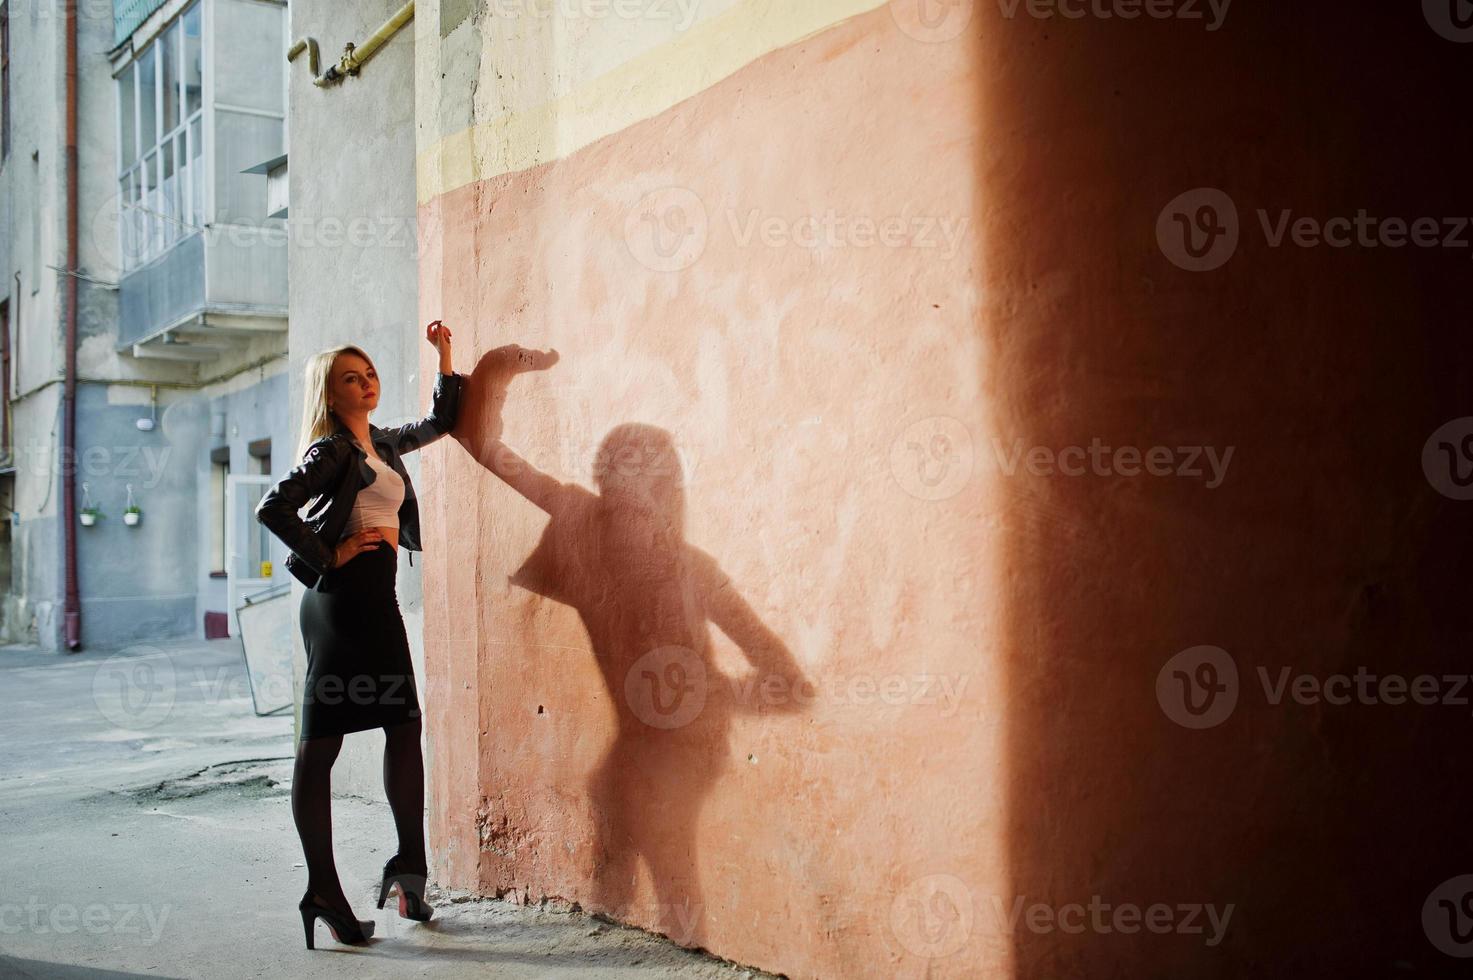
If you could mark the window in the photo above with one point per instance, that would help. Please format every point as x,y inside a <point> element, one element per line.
<point>160,108</point>
<point>219,472</point>
<point>259,549</point>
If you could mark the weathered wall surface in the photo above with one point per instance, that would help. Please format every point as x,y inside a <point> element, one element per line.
<point>1324,551</point>
<point>888,483</point>
<point>352,261</point>
<point>740,686</point>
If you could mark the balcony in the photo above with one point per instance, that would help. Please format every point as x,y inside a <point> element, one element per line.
<point>203,269</point>
<point>207,294</point>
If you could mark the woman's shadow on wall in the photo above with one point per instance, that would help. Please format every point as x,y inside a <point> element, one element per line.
<point>645,596</point>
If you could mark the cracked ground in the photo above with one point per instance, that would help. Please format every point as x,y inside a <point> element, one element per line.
<point>148,832</point>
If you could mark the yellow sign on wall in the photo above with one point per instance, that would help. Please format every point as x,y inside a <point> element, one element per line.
<point>265,569</point>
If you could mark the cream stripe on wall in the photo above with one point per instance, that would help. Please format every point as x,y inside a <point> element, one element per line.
<point>638,89</point>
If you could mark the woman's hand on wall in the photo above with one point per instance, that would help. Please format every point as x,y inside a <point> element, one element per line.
<point>439,337</point>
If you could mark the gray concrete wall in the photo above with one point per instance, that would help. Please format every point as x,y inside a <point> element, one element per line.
<point>136,582</point>
<point>351,160</point>
<point>254,408</point>
<point>33,188</point>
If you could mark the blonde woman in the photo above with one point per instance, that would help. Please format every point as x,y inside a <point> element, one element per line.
<point>359,674</point>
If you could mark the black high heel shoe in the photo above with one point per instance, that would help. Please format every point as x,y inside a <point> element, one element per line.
<point>352,932</point>
<point>412,904</point>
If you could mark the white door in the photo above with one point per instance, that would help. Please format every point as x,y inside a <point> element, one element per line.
<point>248,566</point>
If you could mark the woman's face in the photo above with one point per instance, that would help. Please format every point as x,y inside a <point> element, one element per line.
<point>353,388</point>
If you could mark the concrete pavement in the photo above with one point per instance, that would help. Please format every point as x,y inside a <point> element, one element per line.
<point>148,831</point>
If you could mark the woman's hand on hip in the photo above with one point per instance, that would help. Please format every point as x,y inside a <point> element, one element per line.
<point>355,544</point>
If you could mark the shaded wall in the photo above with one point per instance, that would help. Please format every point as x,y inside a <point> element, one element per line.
<point>1324,550</point>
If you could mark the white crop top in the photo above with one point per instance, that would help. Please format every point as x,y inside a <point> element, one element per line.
<point>377,505</point>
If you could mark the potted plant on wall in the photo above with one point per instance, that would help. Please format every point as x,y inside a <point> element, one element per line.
<point>90,512</point>
<point>132,515</point>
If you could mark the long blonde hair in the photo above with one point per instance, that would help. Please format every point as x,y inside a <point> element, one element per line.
<point>317,420</point>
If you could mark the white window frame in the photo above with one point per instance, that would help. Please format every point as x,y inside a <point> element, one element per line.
<point>148,221</point>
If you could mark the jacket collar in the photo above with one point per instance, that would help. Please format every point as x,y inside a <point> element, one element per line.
<point>375,434</point>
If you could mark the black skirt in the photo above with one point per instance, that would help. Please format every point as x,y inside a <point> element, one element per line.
<point>359,675</point>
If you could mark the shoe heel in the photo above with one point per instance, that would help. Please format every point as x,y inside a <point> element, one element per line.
<point>383,891</point>
<point>308,921</point>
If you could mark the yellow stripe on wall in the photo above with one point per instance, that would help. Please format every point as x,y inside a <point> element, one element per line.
<point>638,89</point>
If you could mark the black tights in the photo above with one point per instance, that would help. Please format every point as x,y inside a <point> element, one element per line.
<point>312,804</point>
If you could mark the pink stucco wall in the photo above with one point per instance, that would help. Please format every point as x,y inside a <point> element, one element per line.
<point>842,513</point>
<point>799,376</point>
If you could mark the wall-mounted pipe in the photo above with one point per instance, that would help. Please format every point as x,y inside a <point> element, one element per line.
<point>354,57</point>
<point>72,607</point>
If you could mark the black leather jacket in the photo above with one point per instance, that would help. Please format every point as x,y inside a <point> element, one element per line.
<point>334,469</point>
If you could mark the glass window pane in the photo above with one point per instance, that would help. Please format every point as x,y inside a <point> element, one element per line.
<point>193,62</point>
<point>147,112</point>
<point>135,199</point>
<point>150,205</point>
<point>125,218</point>
<point>125,119</point>
<point>182,165</point>
<point>168,195</point>
<point>168,46</point>
<point>197,181</point>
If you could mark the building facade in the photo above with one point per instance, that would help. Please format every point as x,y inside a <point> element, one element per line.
<point>181,314</point>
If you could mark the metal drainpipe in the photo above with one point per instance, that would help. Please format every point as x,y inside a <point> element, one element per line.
<point>73,607</point>
<point>15,354</point>
<point>13,321</point>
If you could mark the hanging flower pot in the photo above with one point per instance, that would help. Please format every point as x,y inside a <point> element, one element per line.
<point>90,512</point>
<point>131,515</point>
